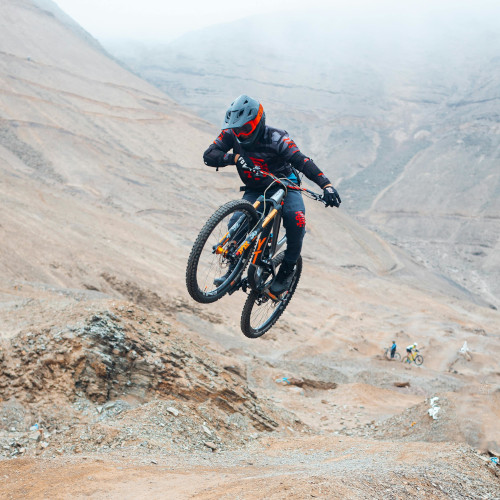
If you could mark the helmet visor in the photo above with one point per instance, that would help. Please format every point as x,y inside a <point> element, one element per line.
<point>248,128</point>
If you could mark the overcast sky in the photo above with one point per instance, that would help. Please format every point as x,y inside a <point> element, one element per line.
<point>165,20</point>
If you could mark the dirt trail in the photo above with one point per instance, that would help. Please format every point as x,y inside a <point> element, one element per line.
<point>311,467</point>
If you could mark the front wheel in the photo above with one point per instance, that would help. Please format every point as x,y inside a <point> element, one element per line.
<point>213,266</point>
<point>419,360</point>
<point>260,312</point>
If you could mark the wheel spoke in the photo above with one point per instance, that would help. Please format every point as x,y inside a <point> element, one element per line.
<point>260,312</point>
<point>205,265</point>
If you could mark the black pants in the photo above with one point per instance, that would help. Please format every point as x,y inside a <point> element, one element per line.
<point>294,221</point>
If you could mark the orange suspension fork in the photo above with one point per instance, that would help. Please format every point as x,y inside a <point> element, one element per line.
<point>270,217</point>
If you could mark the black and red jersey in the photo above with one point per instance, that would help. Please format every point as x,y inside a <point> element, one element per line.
<point>274,152</point>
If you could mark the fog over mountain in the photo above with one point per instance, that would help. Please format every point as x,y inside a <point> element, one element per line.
<point>400,106</point>
<point>114,382</point>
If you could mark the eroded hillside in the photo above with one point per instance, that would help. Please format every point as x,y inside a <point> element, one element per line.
<point>113,382</point>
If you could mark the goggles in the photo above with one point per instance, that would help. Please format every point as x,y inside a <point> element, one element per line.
<point>248,128</point>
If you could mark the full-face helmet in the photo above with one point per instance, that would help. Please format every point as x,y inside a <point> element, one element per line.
<point>247,120</point>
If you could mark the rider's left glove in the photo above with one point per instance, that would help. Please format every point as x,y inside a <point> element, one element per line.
<point>331,197</point>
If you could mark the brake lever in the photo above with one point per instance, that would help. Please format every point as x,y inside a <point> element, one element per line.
<point>321,198</point>
<point>257,172</point>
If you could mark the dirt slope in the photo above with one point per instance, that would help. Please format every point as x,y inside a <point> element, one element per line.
<point>103,354</point>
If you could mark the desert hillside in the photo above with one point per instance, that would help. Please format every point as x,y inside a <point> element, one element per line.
<point>399,105</point>
<point>114,382</point>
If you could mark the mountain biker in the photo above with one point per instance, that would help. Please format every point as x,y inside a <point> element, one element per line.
<point>411,348</point>
<point>393,348</point>
<point>253,143</point>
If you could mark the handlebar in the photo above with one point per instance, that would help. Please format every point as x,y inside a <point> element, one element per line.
<point>286,183</point>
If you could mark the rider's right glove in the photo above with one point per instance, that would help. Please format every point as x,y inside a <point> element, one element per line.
<point>331,197</point>
<point>242,162</point>
<point>247,164</point>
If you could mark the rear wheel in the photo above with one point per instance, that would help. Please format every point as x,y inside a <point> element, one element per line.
<point>387,354</point>
<point>213,252</point>
<point>260,312</point>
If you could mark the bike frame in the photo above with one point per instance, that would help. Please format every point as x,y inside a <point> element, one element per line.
<point>264,235</point>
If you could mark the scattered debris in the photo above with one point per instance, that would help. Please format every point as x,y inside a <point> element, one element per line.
<point>465,352</point>
<point>434,409</point>
<point>307,383</point>
<point>282,381</point>
<point>210,445</point>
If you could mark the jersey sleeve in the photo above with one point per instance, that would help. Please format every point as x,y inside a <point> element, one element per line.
<point>217,154</point>
<point>290,151</point>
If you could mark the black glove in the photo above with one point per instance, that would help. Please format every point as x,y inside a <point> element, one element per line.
<point>248,165</point>
<point>244,163</point>
<point>331,197</point>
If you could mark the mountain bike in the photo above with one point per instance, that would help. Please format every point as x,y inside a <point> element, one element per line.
<point>418,359</point>
<point>387,355</point>
<point>241,235</point>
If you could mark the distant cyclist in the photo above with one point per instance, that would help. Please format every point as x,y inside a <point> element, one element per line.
<point>411,349</point>
<point>253,143</point>
<point>393,349</point>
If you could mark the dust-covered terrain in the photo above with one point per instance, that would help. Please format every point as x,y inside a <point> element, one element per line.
<point>115,384</point>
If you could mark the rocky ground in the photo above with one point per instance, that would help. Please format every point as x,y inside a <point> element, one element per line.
<point>122,378</point>
<point>107,399</point>
<point>115,384</point>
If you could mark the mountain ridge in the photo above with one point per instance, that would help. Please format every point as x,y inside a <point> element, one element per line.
<point>105,360</point>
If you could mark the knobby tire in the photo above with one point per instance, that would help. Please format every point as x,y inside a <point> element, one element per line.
<point>252,331</point>
<point>197,288</point>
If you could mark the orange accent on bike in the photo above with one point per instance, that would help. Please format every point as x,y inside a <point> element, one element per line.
<point>270,217</point>
<point>256,204</point>
<point>224,239</point>
<point>259,250</point>
<point>243,248</point>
